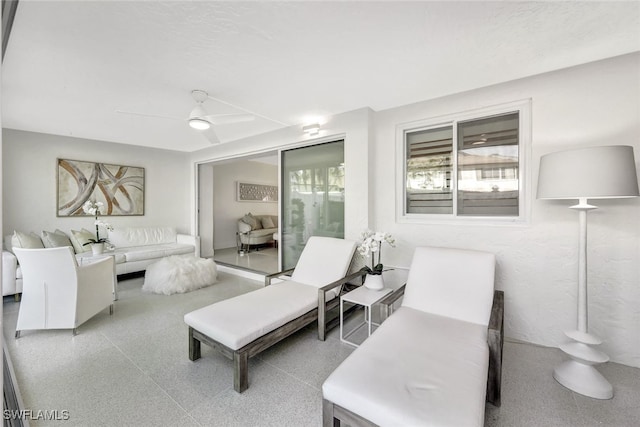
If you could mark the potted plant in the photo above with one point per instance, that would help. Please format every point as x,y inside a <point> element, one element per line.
<point>93,208</point>
<point>372,245</point>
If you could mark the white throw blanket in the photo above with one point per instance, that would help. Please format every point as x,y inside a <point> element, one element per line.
<point>179,274</point>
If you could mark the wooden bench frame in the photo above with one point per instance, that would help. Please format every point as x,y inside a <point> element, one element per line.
<point>241,356</point>
<point>333,415</point>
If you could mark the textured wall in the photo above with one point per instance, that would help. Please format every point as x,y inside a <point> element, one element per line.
<point>593,104</point>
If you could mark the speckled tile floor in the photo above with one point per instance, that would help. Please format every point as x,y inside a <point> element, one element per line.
<point>264,260</point>
<point>132,369</point>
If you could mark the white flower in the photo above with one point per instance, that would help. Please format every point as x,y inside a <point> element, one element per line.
<point>92,208</point>
<point>106,225</point>
<point>372,243</point>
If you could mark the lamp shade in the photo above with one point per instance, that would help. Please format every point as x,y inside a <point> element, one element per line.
<point>590,173</point>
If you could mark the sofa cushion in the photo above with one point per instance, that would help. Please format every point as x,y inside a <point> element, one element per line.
<point>237,321</point>
<point>119,257</point>
<point>26,241</point>
<point>252,221</point>
<point>80,240</point>
<point>267,222</point>
<point>55,239</point>
<point>141,236</point>
<point>436,373</point>
<point>141,253</point>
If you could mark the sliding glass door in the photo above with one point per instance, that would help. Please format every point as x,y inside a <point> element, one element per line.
<point>312,196</point>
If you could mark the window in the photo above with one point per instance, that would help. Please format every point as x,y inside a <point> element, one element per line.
<point>465,166</point>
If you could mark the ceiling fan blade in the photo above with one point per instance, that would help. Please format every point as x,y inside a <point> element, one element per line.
<point>220,119</point>
<point>155,116</point>
<point>211,136</point>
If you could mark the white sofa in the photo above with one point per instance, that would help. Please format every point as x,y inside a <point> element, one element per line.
<point>256,229</point>
<point>435,360</point>
<point>135,249</point>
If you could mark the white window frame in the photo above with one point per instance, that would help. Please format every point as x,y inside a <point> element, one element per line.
<point>523,107</point>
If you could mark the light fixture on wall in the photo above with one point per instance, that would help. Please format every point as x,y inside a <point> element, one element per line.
<point>311,129</point>
<point>586,173</point>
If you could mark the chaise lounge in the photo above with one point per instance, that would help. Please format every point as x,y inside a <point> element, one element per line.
<point>433,361</point>
<point>248,324</point>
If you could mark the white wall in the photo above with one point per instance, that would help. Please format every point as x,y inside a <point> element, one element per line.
<point>593,104</point>
<point>29,177</point>
<point>226,209</point>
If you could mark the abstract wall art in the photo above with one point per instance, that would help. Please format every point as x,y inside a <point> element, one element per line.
<point>248,192</point>
<point>119,188</point>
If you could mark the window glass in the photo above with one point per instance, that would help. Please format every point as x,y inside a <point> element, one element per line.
<point>312,196</point>
<point>488,153</point>
<point>467,165</point>
<point>429,166</point>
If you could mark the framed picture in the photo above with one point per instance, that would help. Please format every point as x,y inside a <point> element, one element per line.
<point>249,192</point>
<point>119,188</point>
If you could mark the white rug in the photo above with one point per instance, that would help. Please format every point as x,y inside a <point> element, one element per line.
<point>177,274</point>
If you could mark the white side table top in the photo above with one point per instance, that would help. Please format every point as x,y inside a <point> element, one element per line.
<point>365,296</point>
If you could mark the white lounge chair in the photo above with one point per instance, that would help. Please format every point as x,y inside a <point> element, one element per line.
<point>248,324</point>
<point>436,358</point>
<point>59,294</point>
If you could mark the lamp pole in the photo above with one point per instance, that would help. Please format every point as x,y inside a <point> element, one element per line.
<point>578,373</point>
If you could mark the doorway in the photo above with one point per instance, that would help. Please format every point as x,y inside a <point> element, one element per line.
<point>220,209</point>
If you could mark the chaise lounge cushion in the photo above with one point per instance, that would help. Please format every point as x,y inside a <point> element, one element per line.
<point>237,321</point>
<point>416,369</point>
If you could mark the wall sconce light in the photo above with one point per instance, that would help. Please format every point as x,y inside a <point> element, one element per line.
<point>312,129</point>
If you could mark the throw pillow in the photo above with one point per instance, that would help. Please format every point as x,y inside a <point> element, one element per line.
<point>26,241</point>
<point>79,238</point>
<point>55,239</point>
<point>258,222</point>
<point>267,222</point>
<point>249,219</point>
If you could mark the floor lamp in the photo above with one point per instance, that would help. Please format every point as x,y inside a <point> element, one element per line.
<point>586,173</point>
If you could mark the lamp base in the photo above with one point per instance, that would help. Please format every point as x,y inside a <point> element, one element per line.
<point>583,379</point>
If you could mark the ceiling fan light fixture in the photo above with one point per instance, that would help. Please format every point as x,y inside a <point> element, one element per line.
<point>199,123</point>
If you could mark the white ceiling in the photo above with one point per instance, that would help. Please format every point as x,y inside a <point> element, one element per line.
<point>71,64</point>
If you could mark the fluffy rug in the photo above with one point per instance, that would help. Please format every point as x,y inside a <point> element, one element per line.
<point>177,274</point>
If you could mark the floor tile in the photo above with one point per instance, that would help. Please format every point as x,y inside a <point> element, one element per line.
<point>132,368</point>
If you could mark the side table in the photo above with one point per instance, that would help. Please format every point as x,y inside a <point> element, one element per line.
<point>367,298</point>
<point>86,258</point>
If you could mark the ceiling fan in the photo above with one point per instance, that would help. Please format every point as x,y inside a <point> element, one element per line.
<point>200,120</point>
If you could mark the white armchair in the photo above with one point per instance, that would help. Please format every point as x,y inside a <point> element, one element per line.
<point>59,294</point>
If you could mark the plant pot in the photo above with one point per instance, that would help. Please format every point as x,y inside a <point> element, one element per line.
<point>374,282</point>
<point>97,248</point>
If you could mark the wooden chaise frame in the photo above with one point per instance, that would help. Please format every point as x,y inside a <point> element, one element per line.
<point>241,356</point>
<point>333,415</point>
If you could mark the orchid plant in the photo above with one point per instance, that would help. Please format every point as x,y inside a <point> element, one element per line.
<point>93,208</point>
<point>372,245</point>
